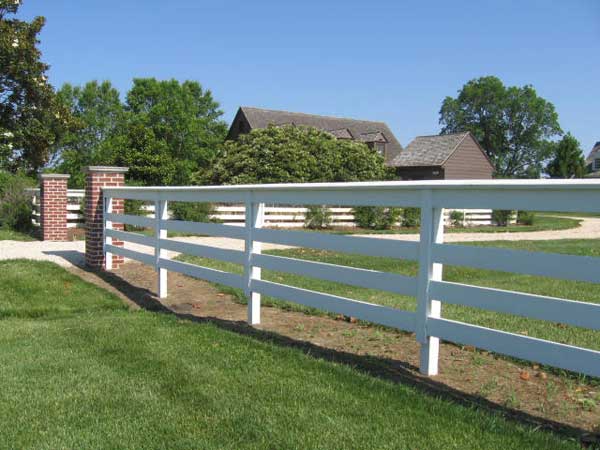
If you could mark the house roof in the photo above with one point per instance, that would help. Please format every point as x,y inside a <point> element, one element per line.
<point>361,130</point>
<point>426,151</point>
<point>595,153</point>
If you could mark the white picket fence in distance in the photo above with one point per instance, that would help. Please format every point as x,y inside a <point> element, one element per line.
<point>75,216</point>
<point>429,288</point>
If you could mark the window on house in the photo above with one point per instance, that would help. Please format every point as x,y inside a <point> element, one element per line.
<point>597,164</point>
<point>380,147</point>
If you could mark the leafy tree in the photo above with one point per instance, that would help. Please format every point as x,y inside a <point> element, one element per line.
<point>31,117</point>
<point>98,110</point>
<point>567,160</point>
<point>290,154</point>
<point>512,124</point>
<point>171,131</point>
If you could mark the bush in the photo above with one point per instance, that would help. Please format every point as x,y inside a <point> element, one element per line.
<point>376,217</point>
<point>15,203</point>
<point>317,217</point>
<point>526,218</point>
<point>411,217</point>
<point>192,212</point>
<point>502,217</point>
<point>457,218</point>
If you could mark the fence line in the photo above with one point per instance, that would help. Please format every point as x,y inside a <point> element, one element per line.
<point>429,288</point>
<point>75,216</point>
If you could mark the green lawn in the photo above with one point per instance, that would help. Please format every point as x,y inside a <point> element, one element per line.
<point>80,371</point>
<point>536,285</point>
<point>11,235</point>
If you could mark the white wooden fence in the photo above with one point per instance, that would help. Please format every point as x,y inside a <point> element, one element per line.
<point>429,288</point>
<point>75,216</point>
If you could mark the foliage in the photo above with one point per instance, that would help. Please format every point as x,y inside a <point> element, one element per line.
<point>526,218</point>
<point>512,124</point>
<point>567,159</point>
<point>15,203</point>
<point>97,109</point>
<point>317,217</point>
<point>411,217</point>
<point>457,218</point>
<point>502,217</point>
<point>193,212</point>
<point>376,217</point>
<point>31,117</point>
<point>171,131</point>
<point>290,154</point>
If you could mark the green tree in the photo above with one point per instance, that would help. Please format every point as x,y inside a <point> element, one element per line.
<point>98,110</point>
<point>512,124</point>
<point>567,160</point>
<point>171,131</point>
<point>290,154</point>
<point>31,117</point>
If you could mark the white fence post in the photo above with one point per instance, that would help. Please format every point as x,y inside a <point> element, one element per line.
<point>160,214</point>
<point>108,209</point>
<point>432,231</point>
<point>254,219</point>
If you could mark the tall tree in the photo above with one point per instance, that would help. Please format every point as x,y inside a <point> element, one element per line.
<point>512,124</point>
<point>31,117</point>
<point>97,109</point>
<point>567,160</point>
<point>172,131</point>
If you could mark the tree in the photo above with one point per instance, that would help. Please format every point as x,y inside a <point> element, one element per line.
<point>291,154</point>
<point>98,110</point>
<point>171,131</point>
<point>568,160</point>
<point>512,124</point>
<point>31,117</point>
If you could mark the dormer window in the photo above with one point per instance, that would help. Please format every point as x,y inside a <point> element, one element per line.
<point>380,147</point>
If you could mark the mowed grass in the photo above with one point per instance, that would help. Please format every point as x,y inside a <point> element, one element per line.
<point>572,290</point>
<point>11,235</point>
<point>90,374</point>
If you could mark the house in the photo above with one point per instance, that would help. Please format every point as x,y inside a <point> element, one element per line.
<point>593,161</point>
<point>376,135</point>
<point>451,156</point>
<point>456,156</point>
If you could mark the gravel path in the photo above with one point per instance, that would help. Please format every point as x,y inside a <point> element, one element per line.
<point>72,253</point>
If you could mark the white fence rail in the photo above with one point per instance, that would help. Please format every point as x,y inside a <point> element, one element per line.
<point>429,287</point>
<point>75,216</point>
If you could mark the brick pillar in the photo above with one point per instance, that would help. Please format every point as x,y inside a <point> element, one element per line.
<point>53,206</point>
<point>98,177</point>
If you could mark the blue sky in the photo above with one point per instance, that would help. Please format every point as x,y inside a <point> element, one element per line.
<point>393,61</point>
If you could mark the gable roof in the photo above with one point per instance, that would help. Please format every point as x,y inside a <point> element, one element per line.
<point>595,153</point>
<point>426,151</point>
<point>361,130</point>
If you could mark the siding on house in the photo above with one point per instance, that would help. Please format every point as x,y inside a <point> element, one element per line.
<point>468,162</point>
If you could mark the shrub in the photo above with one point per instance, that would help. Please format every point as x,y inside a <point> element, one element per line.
<point>15,203</point>
<point>192,212</point>
<point>502,217</point>
<point>317,217</point>
<point>376,217</point>
<point>411,217</point>
<point>526,218</point>
<point>457,218</point>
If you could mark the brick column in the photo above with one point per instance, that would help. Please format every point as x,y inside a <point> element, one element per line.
<point>53,206</point>
<point>98,177</point>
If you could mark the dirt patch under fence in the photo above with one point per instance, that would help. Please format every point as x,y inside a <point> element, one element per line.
<point>525,392</point>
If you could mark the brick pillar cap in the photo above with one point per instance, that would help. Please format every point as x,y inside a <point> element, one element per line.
<point>106,169</point>
<point>50,176</point>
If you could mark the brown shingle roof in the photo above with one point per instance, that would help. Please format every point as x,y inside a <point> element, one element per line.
<point>426,151</point>
<point>261,118</point>
<point>595,153</point>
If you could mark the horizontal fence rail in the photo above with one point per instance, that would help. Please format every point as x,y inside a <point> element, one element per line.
<point>428,287</point>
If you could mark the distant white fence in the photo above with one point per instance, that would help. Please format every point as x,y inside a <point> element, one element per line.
<point>75,216</point>
<point>428,287</point>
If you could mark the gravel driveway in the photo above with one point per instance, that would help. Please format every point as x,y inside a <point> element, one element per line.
<point>72,253</point>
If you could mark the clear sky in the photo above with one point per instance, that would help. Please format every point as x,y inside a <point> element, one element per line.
<point>393,61</point>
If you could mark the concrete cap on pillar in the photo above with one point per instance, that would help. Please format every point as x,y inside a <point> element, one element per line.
<point>54,176</point>
<point>106,169</point>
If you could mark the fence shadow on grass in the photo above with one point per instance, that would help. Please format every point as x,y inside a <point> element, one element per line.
<point>393,370</point>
